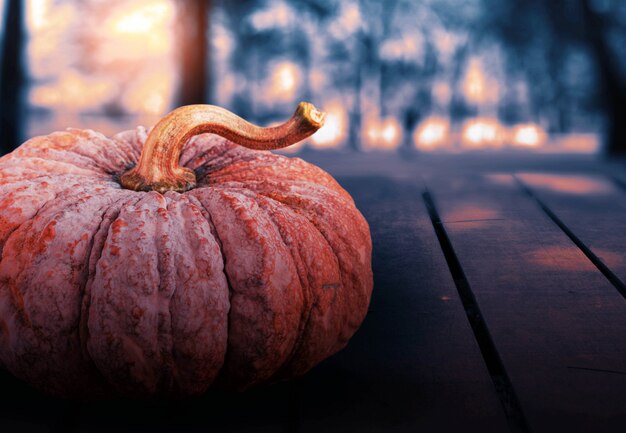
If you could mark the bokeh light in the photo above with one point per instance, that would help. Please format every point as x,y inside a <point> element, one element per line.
<point>433,87</point>
<point>482,133</point>
<point>432,134</point>
<point>335,128</point>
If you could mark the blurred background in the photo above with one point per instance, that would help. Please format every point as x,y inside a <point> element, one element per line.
<point>406,76</point>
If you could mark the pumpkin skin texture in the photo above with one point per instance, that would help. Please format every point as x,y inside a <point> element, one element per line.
<point>257,274</point>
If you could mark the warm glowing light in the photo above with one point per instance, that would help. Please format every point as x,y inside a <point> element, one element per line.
<point>442,93</point>
<point>335,127</point>
<point>390,132</point>
<point>407,47</point>
<point>372,132</point>
<point>446,42</point>
<point>569,184</point>
<point>385,134</point>
<point>564,258</point>
<point>348,21</point>
<point>530,135</point>
<point>37,10</point>
<point>222,42</point>
<point>471,216</point>
<point>482,132</point>
<point>142,19</point>
<point>47,27</point>
<point>121,62</point>
<point>72,91</point>
<point>137,31</point>
<point>284,82</point>
<point>575,143</point>
<point>351,17</point>
<point>150,93</point>
<point>476,87</point>
<point>570,258</point>
<point>286,77</point>
<point>279,15</point>
<point>432,133</point>
<point>317,79</point>
<point>474,83</point>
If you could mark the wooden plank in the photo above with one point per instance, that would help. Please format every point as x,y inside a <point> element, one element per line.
<point>414,365</point>
<point>557,322</point>
<point>593,208</point>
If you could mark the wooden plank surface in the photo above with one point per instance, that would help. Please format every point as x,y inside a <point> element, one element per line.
<point>414,365</point>
<point>593,208</point>
<point>558,324</point>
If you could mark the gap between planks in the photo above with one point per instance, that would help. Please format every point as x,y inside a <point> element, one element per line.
<point>597,262</point>
<point>504,388</point>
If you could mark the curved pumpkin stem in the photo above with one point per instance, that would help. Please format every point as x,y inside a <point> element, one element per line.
<point>158,168</point>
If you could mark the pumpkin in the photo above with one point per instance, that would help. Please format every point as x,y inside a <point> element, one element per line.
<point>159,263</point>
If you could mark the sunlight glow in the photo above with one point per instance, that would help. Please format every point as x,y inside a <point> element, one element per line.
<point>528,135</point>
<point>583,143</point>
<point>432,133</point>
<point>482,132</point>
<point>46,26</point>
<point>149,95</point>
<point>477,88</point>
<point>408,47</point>
<point>348,21</point>
<point>385,134</point>
<point>120,63</point>
<point>279,15</point>
<point>351,18</point>
<point>335,128</point>
<point>569,184</point>
<point>72,91</point>
<point>36,12</point>
<point>284,82</point>
<point>137,31</point>
<point>143,19</point>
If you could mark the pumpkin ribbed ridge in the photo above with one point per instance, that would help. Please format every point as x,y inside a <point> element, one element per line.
<point>257,274</point>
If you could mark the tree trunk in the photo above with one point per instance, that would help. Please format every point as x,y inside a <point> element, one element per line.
<point>613,91</point>
<point>12,75</point>
<point>194,51</point>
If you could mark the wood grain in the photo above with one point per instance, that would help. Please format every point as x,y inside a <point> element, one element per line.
<point>414,365</point>
<point>592,207</point>
<point>559,325</point>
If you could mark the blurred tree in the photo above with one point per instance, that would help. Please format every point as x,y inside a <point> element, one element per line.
<point>612,81</point>
<point>12,78</point>
<point>542,36</point>
<point>406,59</point>
<point>266,33</point>
<point>194,51</point>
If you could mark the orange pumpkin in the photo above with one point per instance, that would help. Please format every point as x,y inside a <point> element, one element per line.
<point>160,263</point>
